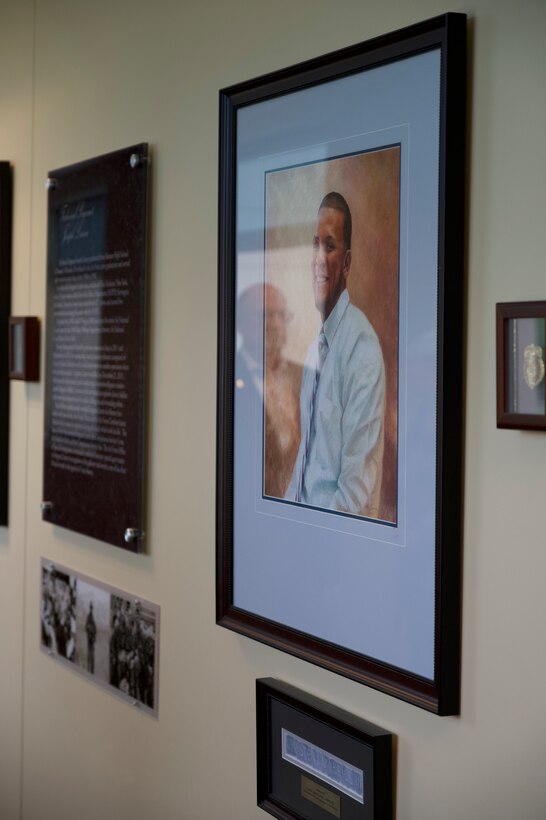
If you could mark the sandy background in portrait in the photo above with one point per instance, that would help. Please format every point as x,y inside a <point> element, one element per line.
<point>370,182</point>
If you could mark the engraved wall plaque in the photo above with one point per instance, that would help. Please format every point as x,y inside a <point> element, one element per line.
<point>96,347</point>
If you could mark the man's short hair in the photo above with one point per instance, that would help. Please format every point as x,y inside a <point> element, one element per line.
<point>339,203</point>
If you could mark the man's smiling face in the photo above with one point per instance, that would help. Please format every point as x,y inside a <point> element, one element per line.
<point>331,260</point>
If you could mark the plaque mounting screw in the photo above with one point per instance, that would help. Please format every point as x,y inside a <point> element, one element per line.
<point>132,535</point>
<point>136,160</point>
<point>46,506</point>
<point>51,184</point>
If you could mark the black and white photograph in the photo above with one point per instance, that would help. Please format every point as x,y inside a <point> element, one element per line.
<point>105,633</point>
<point>58,612</point>
<point>93,629</point>
<point>133,649</point>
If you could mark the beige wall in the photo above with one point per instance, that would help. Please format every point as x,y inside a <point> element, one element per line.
<point>79,79</point>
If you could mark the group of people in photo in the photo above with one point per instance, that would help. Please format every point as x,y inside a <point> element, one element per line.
<point>132,650</point>
<point>59,613</point>
<point>111,638</point>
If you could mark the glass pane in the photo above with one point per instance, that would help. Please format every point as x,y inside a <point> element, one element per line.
<point>17,348</point>
<point>525,366</point>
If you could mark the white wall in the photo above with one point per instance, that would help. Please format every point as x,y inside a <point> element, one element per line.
<point>80,79</point>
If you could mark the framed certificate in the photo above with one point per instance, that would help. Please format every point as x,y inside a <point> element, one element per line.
<point>339,380</point>
<point>315,760</point>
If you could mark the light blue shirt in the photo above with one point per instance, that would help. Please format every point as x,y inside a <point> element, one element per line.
<point>345,453</point>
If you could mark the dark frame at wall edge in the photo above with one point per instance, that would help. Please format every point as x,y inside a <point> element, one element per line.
<point>442,694</point>
<point>5,301</point>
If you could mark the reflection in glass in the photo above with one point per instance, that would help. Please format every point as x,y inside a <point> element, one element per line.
<point>525,366</point>
<point>17,363</point>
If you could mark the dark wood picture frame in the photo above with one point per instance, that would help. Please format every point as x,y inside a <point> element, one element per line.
<point>334,733</point>
<point>507,315</point>
<point>6,198</point>
<point>440,691</point>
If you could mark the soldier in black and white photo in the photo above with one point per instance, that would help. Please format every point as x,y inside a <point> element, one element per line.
<point>91,632</point>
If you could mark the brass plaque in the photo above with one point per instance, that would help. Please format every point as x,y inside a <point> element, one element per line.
<point>320,796</point>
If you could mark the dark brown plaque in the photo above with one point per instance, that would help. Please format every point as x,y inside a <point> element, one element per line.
<point>95,347</point>
<point>5,285</point>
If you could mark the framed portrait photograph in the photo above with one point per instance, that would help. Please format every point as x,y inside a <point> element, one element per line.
<point>341,266</point>
<point>6,206</point>
<point>521,332</point>
<point>315,760</point>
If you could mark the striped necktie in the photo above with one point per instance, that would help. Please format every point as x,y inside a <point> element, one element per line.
<point>322,352</point>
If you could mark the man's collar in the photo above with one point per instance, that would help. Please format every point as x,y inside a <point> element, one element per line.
<point>332,322</point>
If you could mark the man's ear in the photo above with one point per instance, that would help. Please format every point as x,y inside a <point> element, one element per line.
<point>347,262</point>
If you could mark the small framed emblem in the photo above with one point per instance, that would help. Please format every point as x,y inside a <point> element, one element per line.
<point>521,337</point>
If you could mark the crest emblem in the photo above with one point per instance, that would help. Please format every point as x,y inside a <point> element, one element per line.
<point>533,371</point>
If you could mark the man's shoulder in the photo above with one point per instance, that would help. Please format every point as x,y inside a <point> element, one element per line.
<point>356,346</point>
<point>356,328</point>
